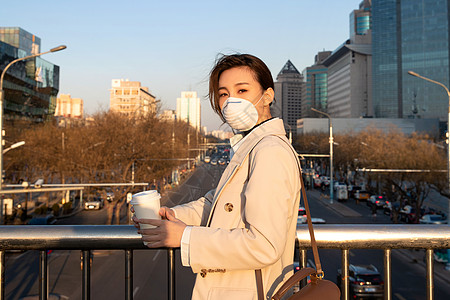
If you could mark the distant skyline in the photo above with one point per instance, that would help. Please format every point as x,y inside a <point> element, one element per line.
<point>170,46</point>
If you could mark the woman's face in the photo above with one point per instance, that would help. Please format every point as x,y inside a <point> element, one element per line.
<point>240,82</point>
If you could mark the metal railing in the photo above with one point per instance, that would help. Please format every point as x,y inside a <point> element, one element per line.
<point>125,237</point>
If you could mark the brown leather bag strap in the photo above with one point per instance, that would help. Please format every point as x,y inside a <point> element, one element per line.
<point>259,284</point>
<point>299,275</point>
<point>311,230</point>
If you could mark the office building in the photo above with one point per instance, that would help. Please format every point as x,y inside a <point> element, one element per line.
<point>288,96</point>
<point>131,99</point>
<point>69,107</point>
<point>315,93</point>
<point>350,70</point>
<point>31,86</point>
<point>410,35</point>
<point>188,109</point>
<point>168,115</point>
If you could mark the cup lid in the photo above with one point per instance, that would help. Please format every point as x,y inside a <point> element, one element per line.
<point>144,197</point>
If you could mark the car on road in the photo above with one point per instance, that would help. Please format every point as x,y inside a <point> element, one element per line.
<point>95,202</point>
<point>433,219</point>
<point>214,161</point>
<point>361,195</point>
<point>341,191</point>
<point>303,220</point>
<point>301,211</point>
<point>221,161</point>
<point>317,182</point>
<point>43,220</point>
<point>408,214</point>
<point>378,200</point>
<point>365,282</point>
<point>207,159</point>
<point>109,196</point>
<point>325,180</point>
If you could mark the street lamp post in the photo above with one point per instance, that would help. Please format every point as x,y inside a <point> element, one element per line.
<point>14,146</point>
<point>59,48</point>
<point>447,267</point>
<point>331,152</point>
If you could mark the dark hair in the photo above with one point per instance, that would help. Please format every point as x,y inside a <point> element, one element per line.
<point>225,62</point>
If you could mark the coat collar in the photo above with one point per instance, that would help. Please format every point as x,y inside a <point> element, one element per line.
<point>272,127</point>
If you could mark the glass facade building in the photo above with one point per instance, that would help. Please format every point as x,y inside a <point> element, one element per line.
<point>410,35</point>
<point>31,86</point>
<point>317,88</point>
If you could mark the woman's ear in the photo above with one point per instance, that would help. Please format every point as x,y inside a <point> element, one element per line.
<point>268,96</point>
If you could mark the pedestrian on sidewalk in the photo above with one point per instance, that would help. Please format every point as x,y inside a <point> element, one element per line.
<point>247,225</point>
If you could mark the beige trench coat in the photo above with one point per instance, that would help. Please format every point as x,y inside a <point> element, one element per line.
<point>248,222</point>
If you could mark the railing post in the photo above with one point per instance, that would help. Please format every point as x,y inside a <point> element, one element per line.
<point>43,275</point>
<point>2,275</point>
<point>302,263</point>
<point>344,276</point>
<point>171,273</point>
<point>430,276</point>
<point>387,275</point>
<point>129,274</point>
<point>86,275</point>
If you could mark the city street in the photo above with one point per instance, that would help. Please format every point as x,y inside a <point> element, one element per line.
<point>150,266</point>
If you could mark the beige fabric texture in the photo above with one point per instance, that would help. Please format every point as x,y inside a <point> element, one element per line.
<point>261,185</point>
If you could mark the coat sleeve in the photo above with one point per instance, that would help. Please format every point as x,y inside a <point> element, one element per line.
<point>269,206</point>
<point>196,212</point>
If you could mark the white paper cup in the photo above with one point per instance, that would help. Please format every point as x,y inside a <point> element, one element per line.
<point>146,206</point>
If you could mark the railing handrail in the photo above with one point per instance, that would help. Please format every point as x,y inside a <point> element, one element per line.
<point>125,237</point>
<point>330,236</point>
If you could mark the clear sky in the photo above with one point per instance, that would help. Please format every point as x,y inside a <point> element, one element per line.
<point>170,45</point>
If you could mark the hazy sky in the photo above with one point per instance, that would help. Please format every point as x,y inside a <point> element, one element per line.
<point>170,45</point>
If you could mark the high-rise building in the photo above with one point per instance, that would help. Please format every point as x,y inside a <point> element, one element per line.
<point>131,99</point>
<point>350,69</point>
<point>31,86</point>
<point>188,109</point>
<point>288,95</point>
<point>360,23</point>
<point>69,107</point>
<point>410,35</point>
<point>315,93</point>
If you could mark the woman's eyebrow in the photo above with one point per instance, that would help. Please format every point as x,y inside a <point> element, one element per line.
<point>237,84</point>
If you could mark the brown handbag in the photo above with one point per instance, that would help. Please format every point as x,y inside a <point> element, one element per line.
<point>318,288</point>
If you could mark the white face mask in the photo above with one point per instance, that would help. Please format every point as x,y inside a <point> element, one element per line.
<point>240,114</point>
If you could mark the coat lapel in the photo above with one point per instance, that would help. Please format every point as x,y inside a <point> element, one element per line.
<point>273,127</point>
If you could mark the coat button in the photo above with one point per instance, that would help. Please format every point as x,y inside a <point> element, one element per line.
<point>228,207</point>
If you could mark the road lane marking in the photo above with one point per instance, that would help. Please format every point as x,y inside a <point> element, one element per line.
<point>156,255</point>
<point>135,291</point>
<point>399,296</point>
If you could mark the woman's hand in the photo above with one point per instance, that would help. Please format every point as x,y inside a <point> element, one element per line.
<point>167,233</point>
<point>163,212</point>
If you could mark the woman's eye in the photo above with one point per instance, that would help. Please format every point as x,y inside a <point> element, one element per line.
<point>223,95</point>
<point>242,91</point>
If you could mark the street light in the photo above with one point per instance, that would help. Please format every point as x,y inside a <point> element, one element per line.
<point>59,48</point>
<point>447,267</point>
<point>331,152</point>
<point>13,146</point>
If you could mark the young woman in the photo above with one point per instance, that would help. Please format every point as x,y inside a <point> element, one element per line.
<point>248,223</point>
